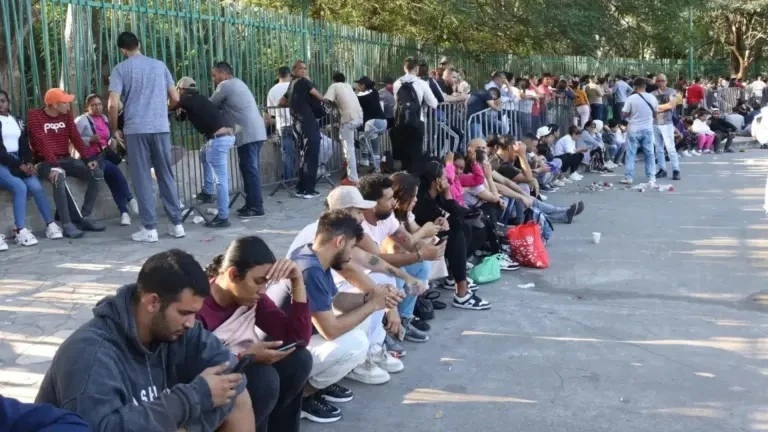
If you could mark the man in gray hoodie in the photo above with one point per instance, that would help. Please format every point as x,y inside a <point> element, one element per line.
<point>144,364</point>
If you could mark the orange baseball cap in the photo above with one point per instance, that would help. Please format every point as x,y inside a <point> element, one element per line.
<point>57,95</point>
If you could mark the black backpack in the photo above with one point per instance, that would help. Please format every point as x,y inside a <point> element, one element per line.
<point>407,107</point>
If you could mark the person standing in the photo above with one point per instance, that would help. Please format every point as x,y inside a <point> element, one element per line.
<point>214,156</point>
<point>664,128</point>
<point>236,102</point>
<point>387,98</point>
<point>374,122</point>
<point>595,94</point>
<point>282,118</point>
<point>640,110</point>
<point>351,113</point>
<point>146,86</point>
<point>621,91</point>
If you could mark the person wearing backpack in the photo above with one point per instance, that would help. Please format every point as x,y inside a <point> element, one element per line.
<point>408,132</point>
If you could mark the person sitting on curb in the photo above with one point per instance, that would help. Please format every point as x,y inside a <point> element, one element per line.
<point>30,417</point>
<point>724,131</point>
<point>51,130</point>
<point>144,363</point>
<point>240,314</point>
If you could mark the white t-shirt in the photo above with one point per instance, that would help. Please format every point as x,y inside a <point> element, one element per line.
<point>382,229</point>
<point>757,88</point>
<point>11,133</point>
<point>282,115</point>
<point>564,145</point>
<point>640,113</point>
<point>346,100</point>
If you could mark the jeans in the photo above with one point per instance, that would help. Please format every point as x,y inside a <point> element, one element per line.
<point>664,137</point>
<point>616,152</point>
<point>215,160</point>
<point>420,271</point>
<point>79,170</point>
<point>21,188</point>
<point>597,110</point>
<point>617,107</point>
<point>640,139</point>
<point>288,151</point>
<point>117,184</point>
<point>374,128</point>
<point>248,157</point>
<point>347,133</point>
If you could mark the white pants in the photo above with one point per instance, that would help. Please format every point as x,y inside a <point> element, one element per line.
<point>347,133</point>
<point>375,330</point>
<point>584,113</point>
<point>333,360</point>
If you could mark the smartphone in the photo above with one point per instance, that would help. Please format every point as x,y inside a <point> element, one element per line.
<point>440,241</point>
<point>244,362</point>
<point>288,346</point>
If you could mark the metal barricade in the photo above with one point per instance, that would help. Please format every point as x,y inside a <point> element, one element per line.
<point>444,128</point>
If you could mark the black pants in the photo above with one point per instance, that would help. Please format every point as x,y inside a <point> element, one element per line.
<point>723,136</point>
<point>276,391</point>
<point>408,147</point>
<point>307,134</point>
<point>571,162</point>
<point>456,252</point>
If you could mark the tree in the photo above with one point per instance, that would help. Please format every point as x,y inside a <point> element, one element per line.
<point>742,27</point>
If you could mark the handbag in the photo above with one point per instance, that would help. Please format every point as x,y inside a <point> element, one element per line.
<point>487,271</point>
<point>108,153</point>
<point>527,245</point>
<point>424,309</point>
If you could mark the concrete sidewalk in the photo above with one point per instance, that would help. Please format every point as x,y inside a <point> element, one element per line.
<point>660,327</point>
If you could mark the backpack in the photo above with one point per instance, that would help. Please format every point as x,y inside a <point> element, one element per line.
<point>407,107</point>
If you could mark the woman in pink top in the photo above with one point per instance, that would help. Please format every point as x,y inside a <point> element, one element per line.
<point>453,181</point>
<point>94,129</point>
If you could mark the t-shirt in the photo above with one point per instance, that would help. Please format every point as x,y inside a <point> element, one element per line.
<point>640,107</point>
<point>237,104</point>
<point>202,113</point>
<point>623,90</point>
<point>299,100</point>
<point>282,115</point>
<point>478,101</point>
<point>49,137</point>
<point>11,133</point>
<point>143,83</point>
<point>369,102</point>
<point>382,229</point>
<point>318,281</point>
<point>580,97</point>
<point>662,97</point>
<point>306,236</point>
<point>695,94</point>
<point>564,145</point>
<point>508,170</point>
<point>346,100</point>
<point>594,93</point>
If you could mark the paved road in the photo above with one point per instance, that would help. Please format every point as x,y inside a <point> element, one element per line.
<point>660,327</point>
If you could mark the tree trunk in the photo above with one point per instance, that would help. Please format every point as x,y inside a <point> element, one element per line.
<point>77,18</point>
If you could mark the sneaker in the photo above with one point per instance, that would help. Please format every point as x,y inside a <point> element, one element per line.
<point>322,171</point>
<point>558,183</point>
<point>707,151</point>
<point>570,213</point>
<point>626,181</point>
<point>576,177</point>
<point>470,301</point>
<point>507,264</point>
<point>53,232</point>
<point>249,213</point>
<point>336,393</point>
<point>686,153</point>
<point>144,235</point>
<point>25,238</point>
<point>315,409</point>
<point>675,175</point>
<point>412,334</point>
<point>204,197</point>
<point>71,231</point>
<point>217,222</point>
<point>3,244</point>
<point>579,208</point>
<point>394,346</point>
<point>448,284</point>
<point>567,180</point>
<point>369,373</point>
<point>695,153</point>
<point>125,219</point>
<point>383,359</point>
<point>661,174</point>
<point>542,196</point>
<point>312,194</point>
<point>471,285</point>
<point>88,224</point>
<point>420,324</point>
<point>176,231</point>
<point>729,150</point>
<point>133,206</point>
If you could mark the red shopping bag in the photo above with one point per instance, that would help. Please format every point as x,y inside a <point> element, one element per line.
<point>527,247</point>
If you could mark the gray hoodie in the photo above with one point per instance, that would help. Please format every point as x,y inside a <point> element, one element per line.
<point>103,373</point>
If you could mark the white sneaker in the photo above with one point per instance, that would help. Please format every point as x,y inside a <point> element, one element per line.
<point>369,373</point>
<point>25,238</point>
<point>567,180</point>
<point>53,231</point>
<point>384,359</point>
<point>133,206</point>
<point>176,231</point>
<point>144,235</point>
<point>3,244</point>
<point>686,153</point>
<point>542,197</point>
<point>125,219</point>
<point>559,183</point>
<point>576,177</point>
<point>707,151</point>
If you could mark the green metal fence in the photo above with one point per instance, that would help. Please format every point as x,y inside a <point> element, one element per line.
<point>71,43</point>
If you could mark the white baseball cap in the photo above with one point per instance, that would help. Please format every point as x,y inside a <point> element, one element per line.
<point>344,197</point>
<point>544,131</point>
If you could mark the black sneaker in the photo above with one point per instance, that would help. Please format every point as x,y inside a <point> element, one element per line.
<point>218,223</point>
<point>88,224</point>
<point>242,209</point>
<point>311,194</point>
<point>470,301</point>
<point>661,174</point>
<point>675,175</point>
<point>315,409</point>
<point>249,213</point>
<point>570,213</point>
<point>729,150</point>
<point>421,325</point>
<point>579,208</point>
<point>336,393</point>
<point>204,197</point>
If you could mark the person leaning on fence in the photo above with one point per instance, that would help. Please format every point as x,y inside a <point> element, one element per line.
<point>482,122</point>
<point>51,130</point>
<point>18,176</point>
<point>344,97</point>
<point>147,88</point>
<point>305,106</point>
<point>281,118</point>
<point>236,102</point>
<point>374,123</point>
<point>214,154</point>
<point>93,127</point>
<point>408,132</point>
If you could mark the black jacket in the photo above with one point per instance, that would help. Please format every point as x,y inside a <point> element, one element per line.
<point>721,125</point>
<point>25,153</point>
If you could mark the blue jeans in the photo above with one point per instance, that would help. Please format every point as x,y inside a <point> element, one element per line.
<point>117,184</point>
<point>373,130</point>
<point>248,155</point>
<point>215,160</point>
<point>420,271</point>
<point>287,150</point>
<point>21,188</point>
<point>640,139</point>
<point>597,111</point>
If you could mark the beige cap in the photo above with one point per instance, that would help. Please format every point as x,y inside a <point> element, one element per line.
<point>344,197</point>
<point>186,83</point>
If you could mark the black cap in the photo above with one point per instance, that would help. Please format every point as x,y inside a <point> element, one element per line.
<point>364,80</point>
<point>388,80</point>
